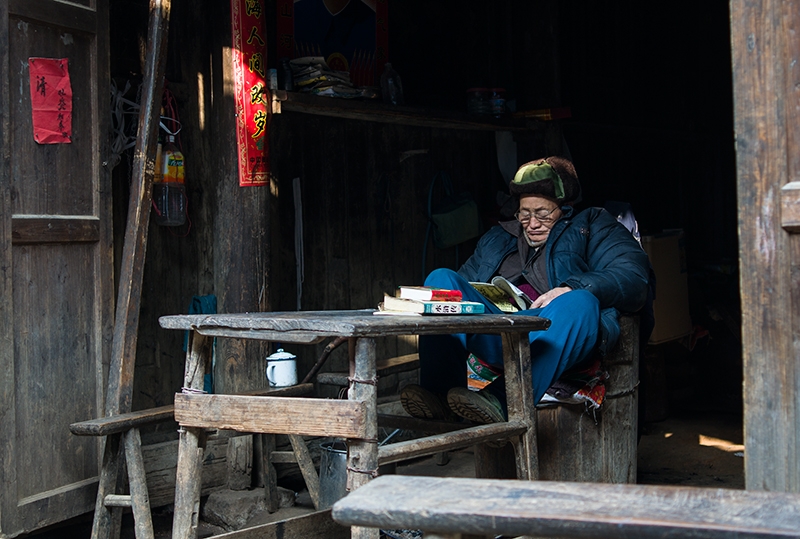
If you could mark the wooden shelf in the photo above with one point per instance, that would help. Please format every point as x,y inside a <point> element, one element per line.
<point>402,115</point>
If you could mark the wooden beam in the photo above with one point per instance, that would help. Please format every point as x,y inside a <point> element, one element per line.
<point>126,320</point>
<point>273,415</point>
<point>26,229</point>
<point>400,115</point>
<point>566,509</point>
<point>57,14</point>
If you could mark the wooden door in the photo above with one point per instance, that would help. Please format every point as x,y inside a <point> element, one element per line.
<point>56,273</point>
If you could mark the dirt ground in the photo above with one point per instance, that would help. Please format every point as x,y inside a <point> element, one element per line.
<point>701,449</point>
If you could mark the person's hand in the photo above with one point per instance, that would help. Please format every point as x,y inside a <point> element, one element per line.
<point>547,297</point>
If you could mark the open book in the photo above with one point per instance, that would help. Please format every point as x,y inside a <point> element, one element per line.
<point>505,296</point>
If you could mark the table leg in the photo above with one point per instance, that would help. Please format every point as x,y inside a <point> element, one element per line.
<point>362,455</point>
<point>519,392</point>
<point>191,446</point>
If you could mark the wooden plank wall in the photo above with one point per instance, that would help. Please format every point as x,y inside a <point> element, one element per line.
<point>364,211</point>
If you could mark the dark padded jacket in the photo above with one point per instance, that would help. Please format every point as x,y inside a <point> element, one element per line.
<point>589,251</point>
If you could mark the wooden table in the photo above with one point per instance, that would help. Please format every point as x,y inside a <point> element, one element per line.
<point>354,419</point>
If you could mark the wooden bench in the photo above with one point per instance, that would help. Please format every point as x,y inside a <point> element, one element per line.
<point>123,429</point>
<point>453,507</point>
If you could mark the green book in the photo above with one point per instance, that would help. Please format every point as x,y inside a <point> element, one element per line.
<point>415,306</point>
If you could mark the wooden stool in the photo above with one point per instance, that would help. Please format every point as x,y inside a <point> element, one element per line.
<point>576,444</point>
<point>123,430</point>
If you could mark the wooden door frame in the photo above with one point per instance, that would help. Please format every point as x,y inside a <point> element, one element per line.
<point>765,46</point>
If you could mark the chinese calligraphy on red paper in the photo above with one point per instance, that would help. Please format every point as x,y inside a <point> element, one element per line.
<point>51,100</point>
<point>249,70</point>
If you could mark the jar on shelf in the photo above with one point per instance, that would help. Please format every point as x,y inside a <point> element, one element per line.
<point>497,101</point>
<point>478,101</point>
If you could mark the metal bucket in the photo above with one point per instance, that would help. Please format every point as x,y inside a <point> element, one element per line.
<point>333,473</point>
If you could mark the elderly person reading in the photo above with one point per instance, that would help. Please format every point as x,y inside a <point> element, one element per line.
<point>581,269</point>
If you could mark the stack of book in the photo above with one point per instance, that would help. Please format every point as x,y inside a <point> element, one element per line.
<point>311,74</point>
<point>420,300</point>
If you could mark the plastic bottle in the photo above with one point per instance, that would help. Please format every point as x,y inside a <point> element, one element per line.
<point>169,191</point>
<point>391,86</point>
<point>497,101</point>
<point>478,101</point>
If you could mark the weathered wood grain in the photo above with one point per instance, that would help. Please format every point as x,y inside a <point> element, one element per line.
<point>104,426</point>
<point>275,415</point>
<point>362,454</point>
<point>57,294</point>
<point>317,525</point>
<point>521,406</point>
<point>578,444</point>
<point>137,480</point>
<point>764,59</point>
<point>7,379</point>
<point>404,115</point>
<point>26,229</point>
<point>464,437</point>
<point>386,367</point>
<point>191,446</point>
<point>348,324</point>
<point>161,461</point>
<point>561,509</point>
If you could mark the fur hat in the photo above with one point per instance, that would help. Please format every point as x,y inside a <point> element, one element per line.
<point>551,177</point>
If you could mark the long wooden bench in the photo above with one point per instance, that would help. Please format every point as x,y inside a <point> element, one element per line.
<point>454,507</point>
<point>123,429</point>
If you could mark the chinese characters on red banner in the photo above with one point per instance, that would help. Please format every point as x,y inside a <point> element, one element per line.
<point>249,73</point>
<point>51,100</point>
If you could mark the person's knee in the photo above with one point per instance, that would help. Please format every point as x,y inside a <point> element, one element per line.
<point>441,278</point>
<point>578,304</point>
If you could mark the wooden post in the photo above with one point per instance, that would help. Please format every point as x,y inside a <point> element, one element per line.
<point>519,391</point>
<point>765,48</point>
<point>190,448</point>
<point>362,455</point>
<point>241,233</point>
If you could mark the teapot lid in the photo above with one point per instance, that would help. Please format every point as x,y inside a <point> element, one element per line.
<point>280,354</point>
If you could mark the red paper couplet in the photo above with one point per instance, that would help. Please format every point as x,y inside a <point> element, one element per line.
<point>51,100</point>
<point>249,57</point>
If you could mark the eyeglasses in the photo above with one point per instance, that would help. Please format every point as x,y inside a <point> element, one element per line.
<point>543,216</point>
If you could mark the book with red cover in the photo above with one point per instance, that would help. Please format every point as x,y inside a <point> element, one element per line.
<point>426,293</point>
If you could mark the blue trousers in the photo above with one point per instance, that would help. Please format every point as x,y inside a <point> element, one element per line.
<point>571,338</point>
